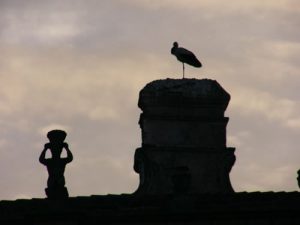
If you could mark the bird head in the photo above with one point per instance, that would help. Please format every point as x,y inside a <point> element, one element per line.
<point>175,46</point>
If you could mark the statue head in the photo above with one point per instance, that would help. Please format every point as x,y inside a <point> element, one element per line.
<point>56,138</point>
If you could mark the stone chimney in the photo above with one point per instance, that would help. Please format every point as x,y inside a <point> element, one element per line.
<point>183,138</point>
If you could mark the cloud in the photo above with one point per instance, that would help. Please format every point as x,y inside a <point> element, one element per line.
<point>254,101</point>
<point>293,123</point>
<point>34,26</point>
<point>216,4</point>
<point>265,178</point>
<point>239,139</point>
<point>43,131</point>
<point>110,174</point>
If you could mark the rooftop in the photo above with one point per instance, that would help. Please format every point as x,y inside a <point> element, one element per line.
<point>158,208</point>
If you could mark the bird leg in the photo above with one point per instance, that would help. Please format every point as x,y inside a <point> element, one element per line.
<point>183,70</point>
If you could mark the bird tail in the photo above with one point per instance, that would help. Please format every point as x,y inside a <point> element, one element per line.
<point>197,63</point>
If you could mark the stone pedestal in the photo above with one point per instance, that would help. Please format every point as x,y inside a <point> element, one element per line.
<point>183,138</point>
<point>57,192</point>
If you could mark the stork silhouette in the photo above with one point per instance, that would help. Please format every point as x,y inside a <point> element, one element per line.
<point>185,56</point>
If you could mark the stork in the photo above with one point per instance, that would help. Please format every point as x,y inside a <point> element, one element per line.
<point>185,56</point>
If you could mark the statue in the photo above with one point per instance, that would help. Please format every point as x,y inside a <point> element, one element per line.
<point>298,178</point>
<point>56,165</point>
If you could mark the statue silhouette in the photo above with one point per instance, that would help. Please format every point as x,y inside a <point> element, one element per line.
<point>298,178</point>
<point>56,165</point>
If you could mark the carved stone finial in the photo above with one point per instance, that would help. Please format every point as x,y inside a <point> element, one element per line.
<point>56,165</point>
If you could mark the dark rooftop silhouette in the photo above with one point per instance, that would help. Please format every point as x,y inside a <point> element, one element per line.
<point>268,208</point>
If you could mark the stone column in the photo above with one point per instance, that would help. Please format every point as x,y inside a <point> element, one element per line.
<point>183,138</point>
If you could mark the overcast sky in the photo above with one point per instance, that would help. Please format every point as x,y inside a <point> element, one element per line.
<point>78,65</point>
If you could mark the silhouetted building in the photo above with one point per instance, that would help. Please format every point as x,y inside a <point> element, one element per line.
<point>184,167</point>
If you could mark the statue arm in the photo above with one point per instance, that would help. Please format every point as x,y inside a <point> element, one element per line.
<point>69,153</point>
<point>42,158</point>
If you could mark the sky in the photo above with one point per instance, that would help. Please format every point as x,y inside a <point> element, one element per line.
<point>79,65</point>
